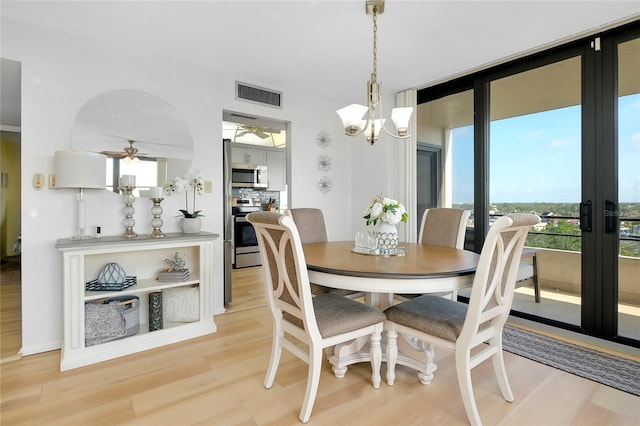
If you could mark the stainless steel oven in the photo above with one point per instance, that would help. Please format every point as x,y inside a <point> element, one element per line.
<point>246,251</point>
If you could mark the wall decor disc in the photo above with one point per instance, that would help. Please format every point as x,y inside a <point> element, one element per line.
<point>323,139</point>
<point>324,163</point>
<point>324,185</point>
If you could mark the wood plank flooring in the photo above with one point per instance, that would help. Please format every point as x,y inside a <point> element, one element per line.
<point>10,311</point>
<point>218,380</point>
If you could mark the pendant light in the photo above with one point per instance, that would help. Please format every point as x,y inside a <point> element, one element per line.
<point>353,116</point>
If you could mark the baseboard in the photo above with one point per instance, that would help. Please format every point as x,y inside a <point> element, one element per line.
<point>36,349</point>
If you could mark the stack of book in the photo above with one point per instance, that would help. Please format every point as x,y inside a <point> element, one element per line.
<point>166,276</point>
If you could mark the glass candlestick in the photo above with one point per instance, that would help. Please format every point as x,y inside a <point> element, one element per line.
<point>128,211</point>
<point>156,222</point>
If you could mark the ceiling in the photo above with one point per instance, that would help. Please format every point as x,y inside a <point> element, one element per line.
<point>324,47</point>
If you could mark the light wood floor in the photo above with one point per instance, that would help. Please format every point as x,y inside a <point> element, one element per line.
<point>217,380</point>
<point>10,312</point>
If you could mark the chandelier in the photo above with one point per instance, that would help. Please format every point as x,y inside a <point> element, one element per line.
<point>352,116</point>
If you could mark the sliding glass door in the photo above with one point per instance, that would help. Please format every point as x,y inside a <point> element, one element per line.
<point>557,134</point>
<point>535,157</point>
<point>628,185</point>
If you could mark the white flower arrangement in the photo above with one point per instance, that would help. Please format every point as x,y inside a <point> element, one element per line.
<point>385,210</point>
<point>186,183</point>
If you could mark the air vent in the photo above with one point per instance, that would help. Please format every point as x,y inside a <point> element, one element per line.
<point>259,95</point>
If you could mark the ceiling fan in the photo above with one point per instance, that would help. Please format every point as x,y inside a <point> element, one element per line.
<point>261,132</point>
<point>129,153</point>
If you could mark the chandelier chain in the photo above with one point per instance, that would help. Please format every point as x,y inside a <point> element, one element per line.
<point>375,41</point>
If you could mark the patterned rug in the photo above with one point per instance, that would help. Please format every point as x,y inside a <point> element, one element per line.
<point>601,367</point>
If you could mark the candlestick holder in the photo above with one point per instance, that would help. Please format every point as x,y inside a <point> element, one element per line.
<point>156,222</point>
<point>128,211</point>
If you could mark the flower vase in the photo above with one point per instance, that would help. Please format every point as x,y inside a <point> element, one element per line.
<point>387,236</point>
<point>190,225</point>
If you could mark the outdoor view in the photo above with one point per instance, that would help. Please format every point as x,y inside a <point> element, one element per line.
<point>551,141</point>
<point>545,178</point>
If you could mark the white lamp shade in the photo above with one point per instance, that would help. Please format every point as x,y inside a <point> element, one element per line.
<point>400,118</point>
<point>377,125</point>
<point>351,117</point>
<point>80,169</point>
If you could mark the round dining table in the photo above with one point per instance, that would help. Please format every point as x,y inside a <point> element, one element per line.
<point>417,269</point>
<point>422,268</point>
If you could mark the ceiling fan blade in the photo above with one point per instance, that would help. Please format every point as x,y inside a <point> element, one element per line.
<point>260,134</point>
<point>112,154</point>
<point>244,132</point>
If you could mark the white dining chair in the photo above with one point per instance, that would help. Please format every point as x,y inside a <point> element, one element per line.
<point>474,332</point>
<point>441,226</point>
<point>312,229</point>
<point>318,322</point>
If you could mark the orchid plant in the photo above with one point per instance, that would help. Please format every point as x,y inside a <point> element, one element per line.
<point>188,183</point>
<point>385,210</point>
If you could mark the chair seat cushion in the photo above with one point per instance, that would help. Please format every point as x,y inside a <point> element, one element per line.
<point>337,314</point>
<point>433,315</point>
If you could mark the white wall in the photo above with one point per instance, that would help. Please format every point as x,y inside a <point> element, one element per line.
<point>60,73</point>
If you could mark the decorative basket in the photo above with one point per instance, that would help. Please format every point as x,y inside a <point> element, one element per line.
<point>94,285</point>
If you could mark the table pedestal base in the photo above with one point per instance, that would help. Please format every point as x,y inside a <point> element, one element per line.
<point>411,353</point>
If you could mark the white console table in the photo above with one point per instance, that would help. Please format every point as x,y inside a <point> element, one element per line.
<point>142,257</point>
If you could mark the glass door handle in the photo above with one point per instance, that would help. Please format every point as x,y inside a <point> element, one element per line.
<point>610,217</point>
<point>585,216</point>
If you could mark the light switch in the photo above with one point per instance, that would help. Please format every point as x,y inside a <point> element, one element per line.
<point>52,181</point>
<point>207,186</point>
<point>38,180</point>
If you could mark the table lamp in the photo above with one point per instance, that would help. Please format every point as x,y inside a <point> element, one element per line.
<point>80,170</point>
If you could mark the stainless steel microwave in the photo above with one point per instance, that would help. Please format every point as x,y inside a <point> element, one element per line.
<point>248,176</point>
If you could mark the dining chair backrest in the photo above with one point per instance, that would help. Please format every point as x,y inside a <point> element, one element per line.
<point>285,270</point>
<point>494,282</point>
<point>310,224</point>
<point>444,227</point>
<point>312,229</point>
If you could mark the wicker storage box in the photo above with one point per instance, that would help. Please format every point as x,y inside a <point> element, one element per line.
<point>112,318</point>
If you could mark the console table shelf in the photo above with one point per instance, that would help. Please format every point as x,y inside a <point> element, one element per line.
<point>143,286</point>
<point>142,257</point>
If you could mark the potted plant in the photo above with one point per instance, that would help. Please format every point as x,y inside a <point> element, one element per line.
<point>191,184</point>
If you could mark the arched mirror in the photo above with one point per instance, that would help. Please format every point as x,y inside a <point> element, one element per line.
<point>141,135</point>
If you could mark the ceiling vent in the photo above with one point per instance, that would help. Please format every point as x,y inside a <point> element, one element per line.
<point>258,95</point>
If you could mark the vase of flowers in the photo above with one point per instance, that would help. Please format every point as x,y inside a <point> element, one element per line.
<point>389,213</point>
<point>192,185</point>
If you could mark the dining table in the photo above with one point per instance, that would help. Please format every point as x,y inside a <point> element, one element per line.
<point>411,269</point>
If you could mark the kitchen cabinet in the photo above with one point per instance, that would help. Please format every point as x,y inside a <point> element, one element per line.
<point>141,257</point>
<point>277,170</point>
<point>244,155</point>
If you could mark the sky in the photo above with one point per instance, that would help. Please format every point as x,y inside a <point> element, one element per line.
<point>537,157</point>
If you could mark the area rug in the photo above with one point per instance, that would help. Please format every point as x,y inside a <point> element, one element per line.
<point>601,367</point>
